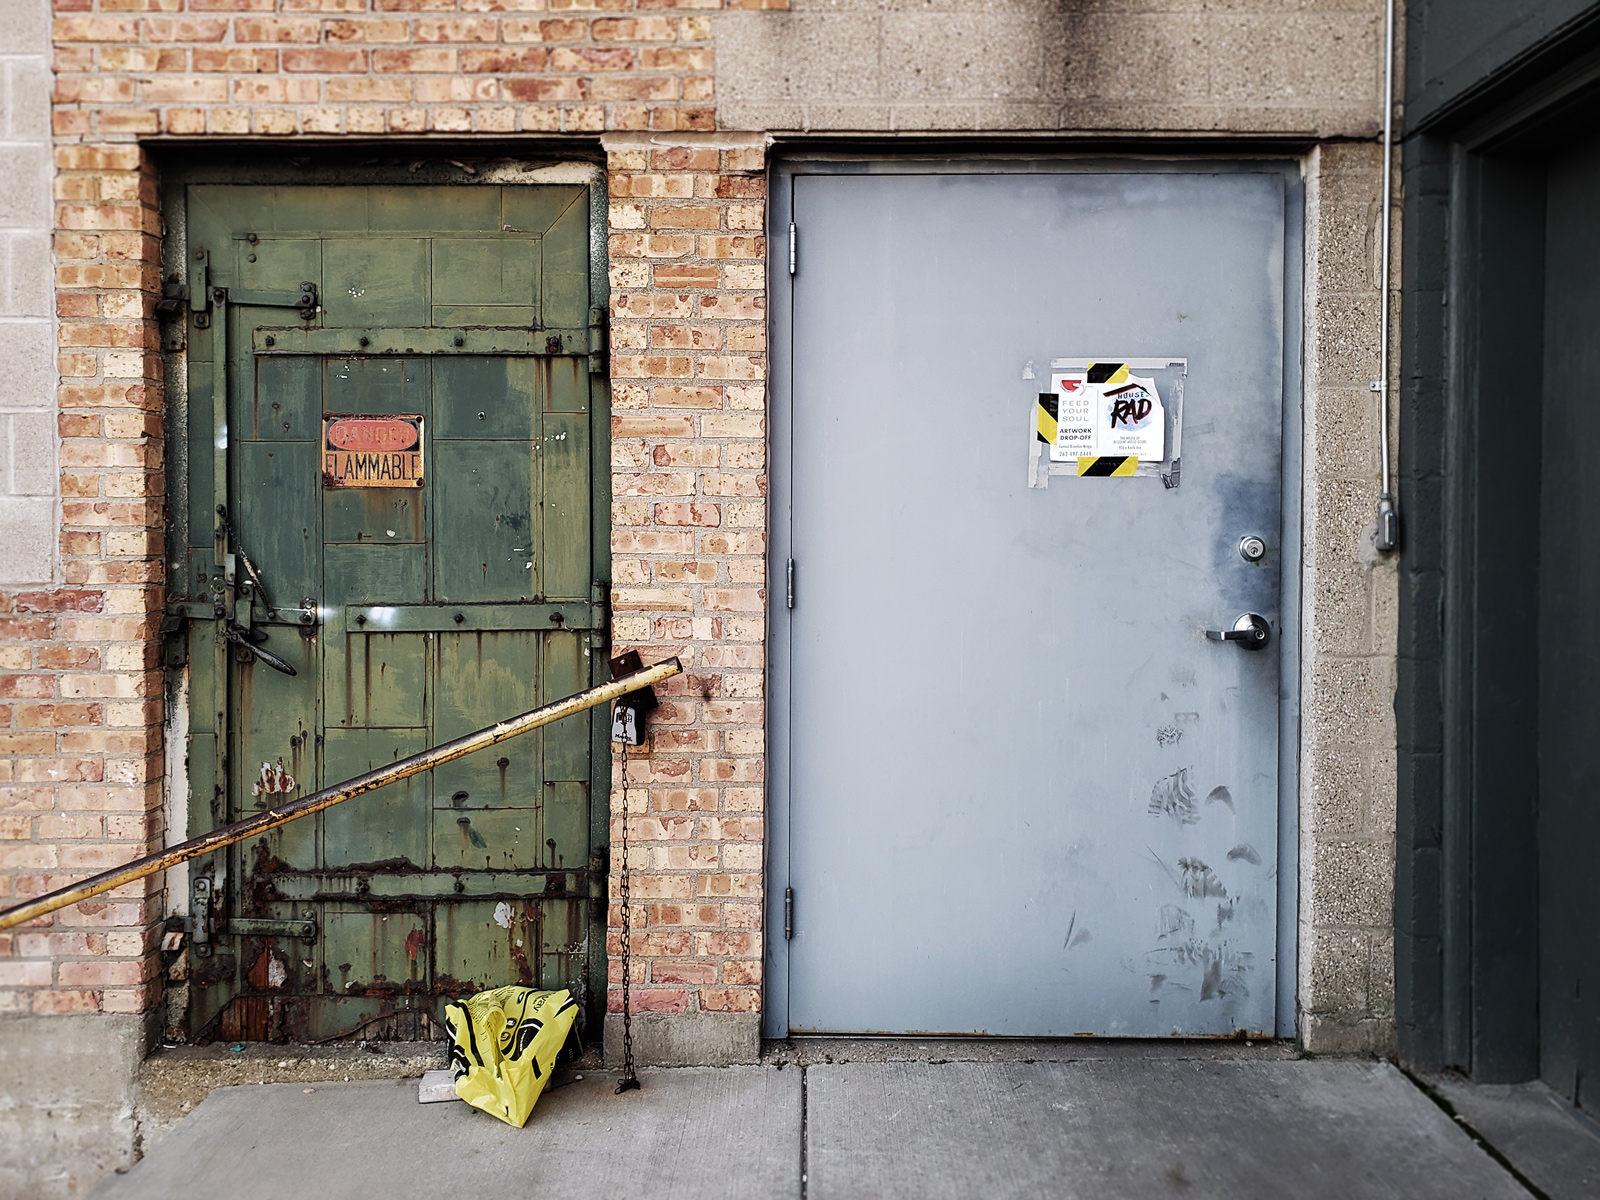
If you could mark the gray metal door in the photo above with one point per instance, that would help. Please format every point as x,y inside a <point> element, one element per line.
<point>1024,793</point>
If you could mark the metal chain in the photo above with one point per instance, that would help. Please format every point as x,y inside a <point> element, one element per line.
<point>629,1079</point>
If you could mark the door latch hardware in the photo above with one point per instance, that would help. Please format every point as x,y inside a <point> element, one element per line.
<point>1252,549</point>
<point>305,299</point>
<point>304,615</point>
<point>203,928</point>
<point>1251,631</point>
<point>250,641</point>
<point>627,717</point>
<point>304,928</point>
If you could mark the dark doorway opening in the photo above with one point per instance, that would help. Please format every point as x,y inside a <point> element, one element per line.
<point>1498,941</point>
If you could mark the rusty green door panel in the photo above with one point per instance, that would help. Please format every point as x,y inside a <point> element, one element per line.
<point>438,609</point>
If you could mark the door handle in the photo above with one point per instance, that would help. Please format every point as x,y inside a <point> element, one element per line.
<point>1250,631</point>
<point>250,641</point>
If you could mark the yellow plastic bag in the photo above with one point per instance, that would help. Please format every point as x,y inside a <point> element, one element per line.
<point>503,1046</point>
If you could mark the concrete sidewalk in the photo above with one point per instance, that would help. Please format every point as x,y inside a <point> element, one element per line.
<point>1107,1128</point>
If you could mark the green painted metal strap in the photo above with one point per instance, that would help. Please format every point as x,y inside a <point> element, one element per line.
<point>466,340</point>
<point>417,618</point>
<point>462,618</point>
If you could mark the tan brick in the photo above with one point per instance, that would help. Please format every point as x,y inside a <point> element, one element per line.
<point>467,29</point>
<point>366,89</point>
<point>591,58</point>
<point>647,366</point>
<point>235,59</point>
<point>324,61</point>
<point>274,29</point>
<point>689,275</point>
<point>415,60</point>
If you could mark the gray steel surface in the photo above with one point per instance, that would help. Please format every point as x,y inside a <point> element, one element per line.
<point>1043,803</point>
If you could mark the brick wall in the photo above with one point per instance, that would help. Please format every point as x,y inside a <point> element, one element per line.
<point>329,67</point>
<point>689,519</point>
<point>81,698</point>
<point>80,718</point>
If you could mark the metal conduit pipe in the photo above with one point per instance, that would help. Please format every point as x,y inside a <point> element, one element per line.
<point>238,831</point>
<point>1388,532</point>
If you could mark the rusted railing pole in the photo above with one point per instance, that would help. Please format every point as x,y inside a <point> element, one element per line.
<point>226,835</point>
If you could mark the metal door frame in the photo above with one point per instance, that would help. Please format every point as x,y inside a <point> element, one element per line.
<point>780,315</point>
<point>398,164</point>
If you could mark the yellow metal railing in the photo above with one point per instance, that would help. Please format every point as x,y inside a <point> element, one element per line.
<point>425,760</point>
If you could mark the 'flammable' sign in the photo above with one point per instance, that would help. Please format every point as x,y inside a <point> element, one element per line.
<point>371,451</point>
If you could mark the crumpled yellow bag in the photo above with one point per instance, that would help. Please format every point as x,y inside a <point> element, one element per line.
<point>503,1046</point>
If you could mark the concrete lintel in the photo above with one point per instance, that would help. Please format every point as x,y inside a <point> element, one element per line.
<point>704,1039</point>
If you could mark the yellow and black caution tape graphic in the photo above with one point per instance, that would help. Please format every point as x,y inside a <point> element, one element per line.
<point>1108,464</point>
<point>1048,411</point>
<point>1108,372</point>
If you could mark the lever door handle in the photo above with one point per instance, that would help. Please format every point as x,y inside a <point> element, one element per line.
<point>1250,631</point>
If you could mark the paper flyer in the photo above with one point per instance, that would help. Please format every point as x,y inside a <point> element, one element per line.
<point>1119,419</point>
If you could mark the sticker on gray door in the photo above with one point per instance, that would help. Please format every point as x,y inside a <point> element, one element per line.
<point>1029,734</point>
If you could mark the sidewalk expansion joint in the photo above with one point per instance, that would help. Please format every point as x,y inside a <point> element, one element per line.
<point>1466,1127</point>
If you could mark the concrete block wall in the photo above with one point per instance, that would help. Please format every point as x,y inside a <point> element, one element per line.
<point>28,477</point>
<point>1350,622</point>
<point>1135,66</point>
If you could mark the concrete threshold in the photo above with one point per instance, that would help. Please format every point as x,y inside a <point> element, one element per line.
<point>892,1118</point>
<point>812,1050</point>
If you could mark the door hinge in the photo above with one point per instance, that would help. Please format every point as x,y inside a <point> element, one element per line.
<point>789,579</point>
<point>174,298</point>
<point>199,921</point>
<point>792,247</point>
<point>788,913</point>
<point>599,347</point>
<point>600,598</point>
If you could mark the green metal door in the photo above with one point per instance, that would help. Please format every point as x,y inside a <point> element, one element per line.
<point>417,595</point>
